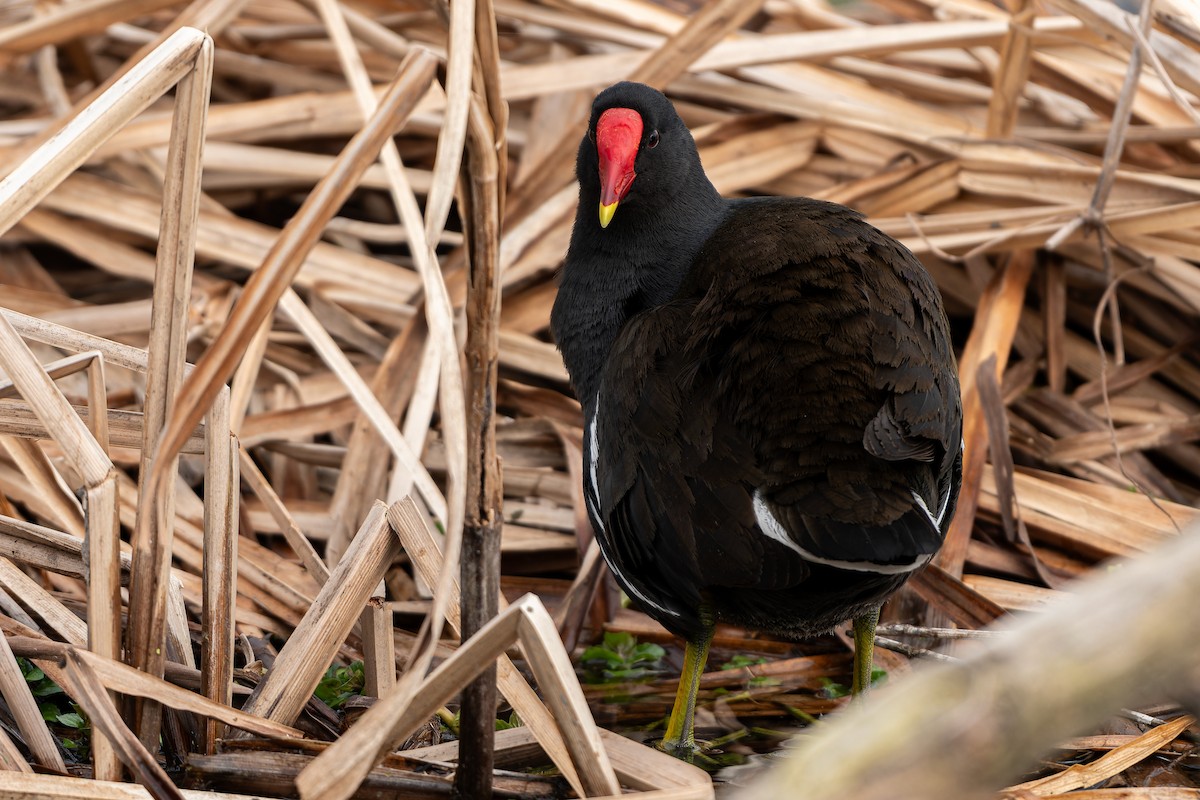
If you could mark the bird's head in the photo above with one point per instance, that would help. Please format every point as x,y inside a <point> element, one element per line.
<point>636,148</point>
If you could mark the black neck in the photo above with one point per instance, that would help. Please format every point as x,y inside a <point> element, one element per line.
<point>636,263</point>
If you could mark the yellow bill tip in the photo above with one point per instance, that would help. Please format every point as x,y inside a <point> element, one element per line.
<point>606,213</point>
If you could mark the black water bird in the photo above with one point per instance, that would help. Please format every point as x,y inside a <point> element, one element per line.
<point>772,414</point>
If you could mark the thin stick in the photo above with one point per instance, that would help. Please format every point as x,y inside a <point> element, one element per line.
<point>103,551</point>
<point>480,568</point>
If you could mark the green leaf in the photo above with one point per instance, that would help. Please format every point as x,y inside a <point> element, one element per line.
<point>340,684</point>
<point>621,658</point>
<point>72,720</point>
<point>742,660</point>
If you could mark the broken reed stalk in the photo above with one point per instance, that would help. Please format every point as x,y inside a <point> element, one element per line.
<point>1054,676</point>
<point>219,573</point>
<point>148,644</point>
<point>124,679</point>
<point>992,333</point>
<point>97,473</point>
<point>265,287</point>
<point>281,695</point>
<point>89,692</point>
<point>347,761</point>
<point>480,562</point>
<point>186,58</point>
<point>387,723</point>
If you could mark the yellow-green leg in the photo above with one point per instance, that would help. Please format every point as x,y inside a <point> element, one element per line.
<point>680,739</point>
<point>864,650</point>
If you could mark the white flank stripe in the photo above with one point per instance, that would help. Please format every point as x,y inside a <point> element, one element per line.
<point>591,494</point>
<point>771,526</point>
<point>646,601</point>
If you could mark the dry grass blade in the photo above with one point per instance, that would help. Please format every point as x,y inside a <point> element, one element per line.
<point>300,544</point>
<point>443,344</point>
<point>369,405</point>
<point>267,285</point>
<point>118,677</point>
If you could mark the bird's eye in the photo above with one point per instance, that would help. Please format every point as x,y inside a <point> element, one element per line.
<point>652,139</point>
<point>591,134</point>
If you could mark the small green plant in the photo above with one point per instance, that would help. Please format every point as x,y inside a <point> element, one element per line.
<point>58,709</point>
<point>742,660</point>
<point>451,722</point>
<point>833,690</point>
<point>621,658</point>
<point>340,684</point>
<point>513,721</point>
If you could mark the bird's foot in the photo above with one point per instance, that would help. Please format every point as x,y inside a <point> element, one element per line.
<point>699,754</point>
<point>683,750</point>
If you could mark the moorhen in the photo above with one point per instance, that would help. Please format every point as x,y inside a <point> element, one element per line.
<point>773,427</point>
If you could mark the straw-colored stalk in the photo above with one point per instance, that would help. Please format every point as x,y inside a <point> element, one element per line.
<point>337,772</point>
<point>152,535</point>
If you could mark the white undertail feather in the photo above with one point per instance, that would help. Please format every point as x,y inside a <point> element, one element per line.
<point>771,526</point>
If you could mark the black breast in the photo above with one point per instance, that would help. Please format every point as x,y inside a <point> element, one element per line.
<point>780,441</point>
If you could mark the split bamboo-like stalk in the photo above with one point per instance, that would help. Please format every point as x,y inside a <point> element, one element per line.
<point>147,644</point>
